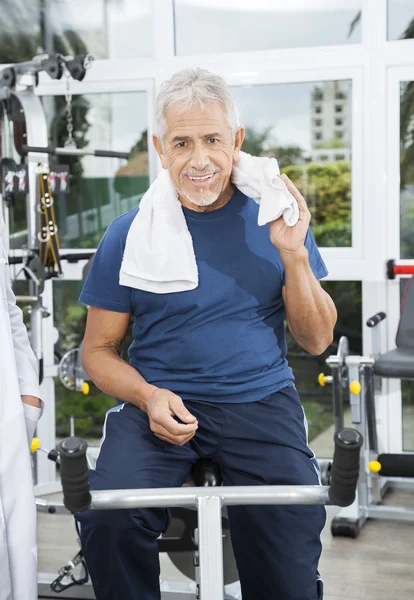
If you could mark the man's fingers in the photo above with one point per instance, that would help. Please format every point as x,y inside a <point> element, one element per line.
<point>169,418</point>
<point>166,421</point>
<point>294,191</point>
<point>179,409</point>
<point>177,440</point>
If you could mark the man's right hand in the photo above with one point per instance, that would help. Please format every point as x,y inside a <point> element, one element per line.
<point>163,408</point>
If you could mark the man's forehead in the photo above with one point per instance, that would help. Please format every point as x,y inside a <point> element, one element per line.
<point>195,118</point>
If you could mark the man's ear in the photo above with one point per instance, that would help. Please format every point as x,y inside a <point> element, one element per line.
<point>238,141</point>
<point>160,150</point>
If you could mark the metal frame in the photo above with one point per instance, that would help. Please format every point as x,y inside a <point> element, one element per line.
<point>371,488</point>
<point>209,502</point>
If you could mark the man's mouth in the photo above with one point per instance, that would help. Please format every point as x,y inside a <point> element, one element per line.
<point>200,180</point>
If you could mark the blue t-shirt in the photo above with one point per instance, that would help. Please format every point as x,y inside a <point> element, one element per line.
<point>225,340</point>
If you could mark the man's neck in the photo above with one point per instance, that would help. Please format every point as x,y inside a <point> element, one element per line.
<point>221,201</point>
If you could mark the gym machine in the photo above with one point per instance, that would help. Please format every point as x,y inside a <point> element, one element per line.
<point>24,131</point>
<point>361,376</point>
<point>26,170</point>
<point>200,503</point>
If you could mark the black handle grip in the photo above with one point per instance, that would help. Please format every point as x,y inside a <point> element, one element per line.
<point>396,465</point>
<point>42,149</point>
<point>345,467</point>
<point>377,318</point>
<point>74,474</point>
<point>111,154</point>
<point>54,456</point>
<point>15,260</point>
<point>74,257</point>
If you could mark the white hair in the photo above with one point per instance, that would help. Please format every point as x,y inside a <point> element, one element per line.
<point>194,87</point>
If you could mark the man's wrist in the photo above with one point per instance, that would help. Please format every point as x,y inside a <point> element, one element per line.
<point>145,395</point>
<point>289,257</point>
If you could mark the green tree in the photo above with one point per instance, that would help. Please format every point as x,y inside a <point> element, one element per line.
<point>141,145</point>
<point>255,141</point>
<point>327,189</point>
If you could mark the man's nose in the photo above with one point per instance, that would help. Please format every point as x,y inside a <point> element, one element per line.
<point>199,158</point>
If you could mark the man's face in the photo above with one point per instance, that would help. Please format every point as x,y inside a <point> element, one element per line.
<point>199,152</point>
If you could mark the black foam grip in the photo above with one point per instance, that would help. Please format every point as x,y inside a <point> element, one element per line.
<point>345,467</point>
<point>396,465</point>
<point>54,456</point>
<point>390,269</point>
<point>74,474</point>
<point>39,149</point>
<point>111,154</point>
<point>377,318</point>
<point>15,260</point>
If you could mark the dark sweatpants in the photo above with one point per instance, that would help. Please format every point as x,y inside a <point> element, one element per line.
<point>277,548</point>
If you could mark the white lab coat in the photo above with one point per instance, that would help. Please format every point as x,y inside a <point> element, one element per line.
<point>18,375</point>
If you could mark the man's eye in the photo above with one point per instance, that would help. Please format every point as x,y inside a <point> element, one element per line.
<point>180,145</point>
<point>212,140</point>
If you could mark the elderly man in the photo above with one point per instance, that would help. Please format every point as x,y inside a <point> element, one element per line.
<point>20,409</point>
<point>207,375</point>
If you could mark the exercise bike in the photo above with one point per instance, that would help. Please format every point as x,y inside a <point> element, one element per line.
<point>208,497</point>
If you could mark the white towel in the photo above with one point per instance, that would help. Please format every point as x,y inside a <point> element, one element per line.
<point>159,254</point>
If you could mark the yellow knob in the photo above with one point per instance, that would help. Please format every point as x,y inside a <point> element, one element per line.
<point>374,466</point>
<point>355,387</point>
<point>35,445</point>
<point>85,388</point>
<point>322,379</point>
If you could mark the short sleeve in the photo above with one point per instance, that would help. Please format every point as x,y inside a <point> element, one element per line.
<point>102,288</point>
<point>315,259</point>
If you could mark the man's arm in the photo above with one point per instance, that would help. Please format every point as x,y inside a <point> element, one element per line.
<point>310,311</point>
<point>105,331</point>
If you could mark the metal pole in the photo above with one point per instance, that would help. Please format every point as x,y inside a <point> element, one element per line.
<point>5,154</point>
<point>36,130</point>
<point>210,544</point>
<point>69,151</point>
<point>230,495</point>
<point>72,426</point>
<point>337,400</point>
<point>368,379</point>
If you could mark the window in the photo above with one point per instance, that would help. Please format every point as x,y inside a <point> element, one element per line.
<point>105,29</point>
<point>339,134</point>
<point>279,121</point>
<point>99,188</point>
<point>318,109</point>
<point>338,108</point>
<point>88,411</point>
<point>400,19</point>
<point>316,400</point>
<point>406,169</point>
<point>318,122</point>
<point>204,26</point>
<point>338,122</point>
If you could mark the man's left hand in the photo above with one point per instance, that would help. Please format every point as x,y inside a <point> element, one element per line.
<point>288,240</point>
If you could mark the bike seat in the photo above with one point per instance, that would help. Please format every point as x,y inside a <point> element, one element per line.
<point>206,473</point>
